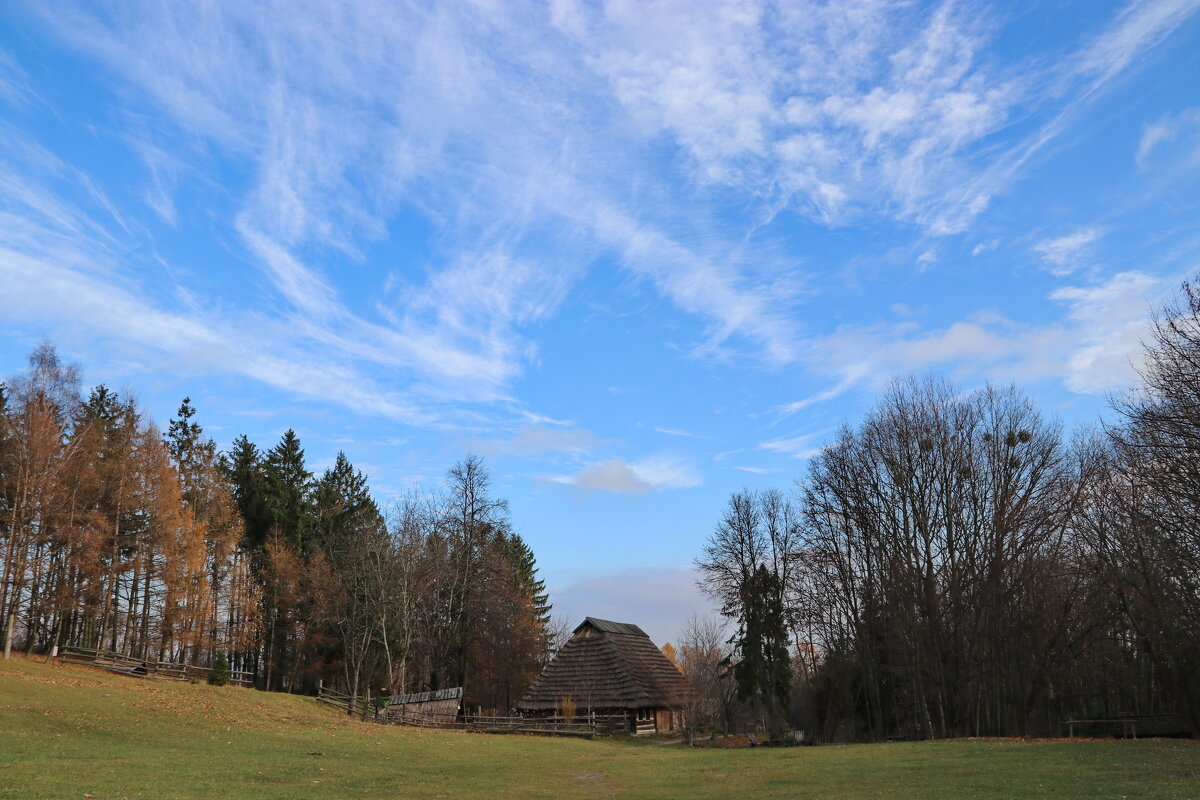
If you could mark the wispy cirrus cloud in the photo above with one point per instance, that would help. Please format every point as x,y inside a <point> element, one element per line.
<point>39,289</point>
<point>14,83</point>
<point>851,109</point>
<point>677,432</point>
<point>434,93</point>
<point>512,133</point>
<point>803,446</point>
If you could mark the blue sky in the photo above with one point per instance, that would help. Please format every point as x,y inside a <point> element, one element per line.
<point>638,255</point>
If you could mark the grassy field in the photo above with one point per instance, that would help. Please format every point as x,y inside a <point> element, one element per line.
<point>70,732</point>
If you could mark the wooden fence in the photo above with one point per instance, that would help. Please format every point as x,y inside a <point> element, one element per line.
<point>361,706</point>
<point>588,726</point>
<point>1129,726</point>
<point>123,664</point>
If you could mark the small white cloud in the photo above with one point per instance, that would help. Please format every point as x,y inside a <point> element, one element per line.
<point>613,475</point>
<point>666,472</point>
<point>1064,254</point>
<point>984,247</point>
<point>1165,129</point>
<point>638,477</point>
<point>757,470</point>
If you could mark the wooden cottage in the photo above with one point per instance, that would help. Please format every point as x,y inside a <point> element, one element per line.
<point>610,668</point>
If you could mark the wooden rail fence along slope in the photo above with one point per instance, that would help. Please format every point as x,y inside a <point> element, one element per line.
<point>123,664</point>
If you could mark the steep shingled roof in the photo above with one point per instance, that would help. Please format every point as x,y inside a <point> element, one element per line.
<point>607,665</point>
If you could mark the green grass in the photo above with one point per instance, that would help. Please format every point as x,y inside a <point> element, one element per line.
<point>74,732</point>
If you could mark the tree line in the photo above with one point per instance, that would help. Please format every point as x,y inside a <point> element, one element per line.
<point>957,565</point>
<point>117,536</point>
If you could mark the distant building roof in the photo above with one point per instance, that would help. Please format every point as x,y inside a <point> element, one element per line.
<point>610,666</point>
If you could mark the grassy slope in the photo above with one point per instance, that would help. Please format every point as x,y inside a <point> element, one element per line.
<point>73,732</point>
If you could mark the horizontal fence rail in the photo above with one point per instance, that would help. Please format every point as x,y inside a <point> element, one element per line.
<point>588,726</point>
<point>124,664</point>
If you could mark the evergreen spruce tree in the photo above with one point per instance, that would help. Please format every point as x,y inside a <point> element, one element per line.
<point>344,508</point>
<point>761,666</point>
<point>288,496</point>
<point>218,675</point>
<point>524,566</point>
<point>246,471</point>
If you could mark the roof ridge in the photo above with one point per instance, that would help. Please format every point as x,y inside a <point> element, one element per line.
<point>611,626</point>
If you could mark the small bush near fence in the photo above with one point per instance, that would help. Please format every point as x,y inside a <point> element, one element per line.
<point>219,674</point>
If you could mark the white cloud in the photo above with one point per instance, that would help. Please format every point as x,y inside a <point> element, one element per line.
<point>1136,28</point>
<point>1169,128</point>
<point>803,446</point>
<point>708,285</point>
<point>1060,94</point>
<point>1091,351</point>
<point>666,472</point>
<point>985,247</point>
<point>846,108</point>
<point>1065,253</point>
<point>678,432</point>
<point>540,440</point>
<point>846,105</point>
<point>513,131</point>
<point>615,475</point>
<point>1109,321</point>
<point>39,289</point>
<point>433,94</point>
<point>14,83</point>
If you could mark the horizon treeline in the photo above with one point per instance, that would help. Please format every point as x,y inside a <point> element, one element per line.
<point>117,537</point>
<point>956,565</point>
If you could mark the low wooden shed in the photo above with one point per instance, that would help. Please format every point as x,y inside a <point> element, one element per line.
<point>440,706</point>
<point>609,668</point>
